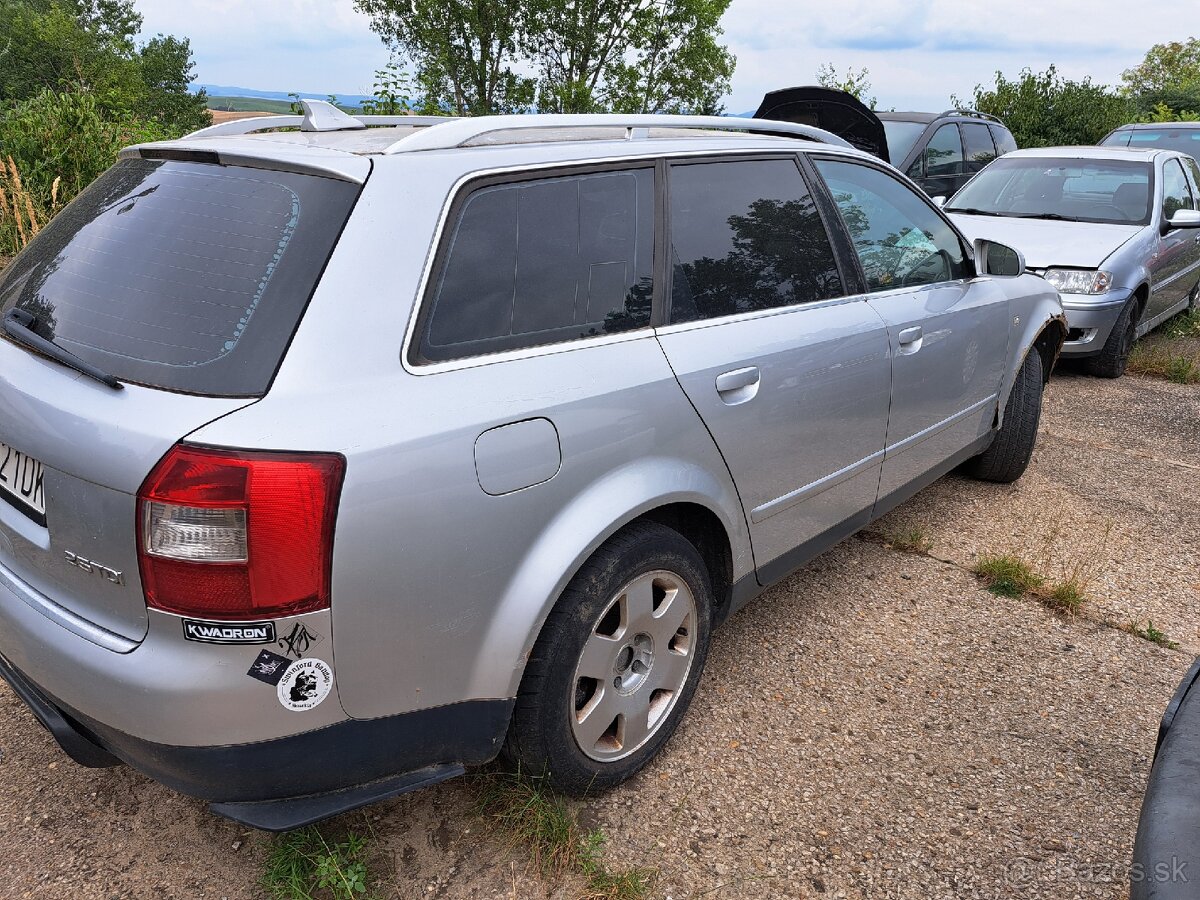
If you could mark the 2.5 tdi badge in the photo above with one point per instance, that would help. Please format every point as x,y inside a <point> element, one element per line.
<point>305,684</point>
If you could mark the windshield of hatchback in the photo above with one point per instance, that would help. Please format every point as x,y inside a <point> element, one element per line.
<point>1079,190</point>
<point>1185,140</point>
<point>900,138</point>
<point>186,276</point>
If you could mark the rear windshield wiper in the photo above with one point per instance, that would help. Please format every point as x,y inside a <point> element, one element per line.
<point>972,211</point>
<point>19,325</point>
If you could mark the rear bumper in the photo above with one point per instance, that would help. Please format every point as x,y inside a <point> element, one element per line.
<point>1166,852</point>
<point>1090,323</point>
<point>313,774</point>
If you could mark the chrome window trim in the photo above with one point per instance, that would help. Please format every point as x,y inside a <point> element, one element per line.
<point>732,318</point>
<point>550,168</point>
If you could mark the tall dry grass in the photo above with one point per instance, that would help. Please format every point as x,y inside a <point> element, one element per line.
<point>22,215</point>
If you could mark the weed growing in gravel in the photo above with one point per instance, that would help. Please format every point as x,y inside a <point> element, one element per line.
<point>1173,353</point>
<point>302,862</point>
<point>1064,597</point>
<point>538,819</point>
<point>1152,634</point>
<point>1006,574</point>
<point>909,540</point>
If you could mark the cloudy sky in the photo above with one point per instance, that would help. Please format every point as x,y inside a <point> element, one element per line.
<point>919,52</point>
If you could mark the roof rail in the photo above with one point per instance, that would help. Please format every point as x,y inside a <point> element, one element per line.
<point>319,115</point>
<point>973,113</point>
<point>447,134</point>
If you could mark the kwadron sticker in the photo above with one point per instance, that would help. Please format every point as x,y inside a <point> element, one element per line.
<point>229,632</point>
<point>305,684</point>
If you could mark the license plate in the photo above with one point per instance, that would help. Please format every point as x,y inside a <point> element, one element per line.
<point>21,483</point>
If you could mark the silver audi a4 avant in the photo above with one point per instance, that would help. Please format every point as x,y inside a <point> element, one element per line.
<point>341,458</point>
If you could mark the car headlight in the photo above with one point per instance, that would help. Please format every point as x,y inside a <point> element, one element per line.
<point>1079,281</point>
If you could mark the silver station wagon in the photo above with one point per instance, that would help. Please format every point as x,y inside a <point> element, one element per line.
<point>339,458</point>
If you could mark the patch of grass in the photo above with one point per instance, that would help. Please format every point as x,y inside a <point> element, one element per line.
<point>303,865</point>
<point>1006,574</point>
<point>533,816</point>
<point>909,540</point>
<point>1172,352</point>
<point>1152,634</point>
<point>1064,597</point>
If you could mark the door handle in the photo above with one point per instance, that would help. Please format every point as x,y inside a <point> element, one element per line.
<point>910,335</point>
<point>739,385</point>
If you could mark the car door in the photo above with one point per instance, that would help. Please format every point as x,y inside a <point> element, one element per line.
<point>948,330</point>
<point>789,373</point>
<point>1175,263</point>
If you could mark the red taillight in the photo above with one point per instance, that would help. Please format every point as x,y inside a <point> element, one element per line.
<point>231,534</point>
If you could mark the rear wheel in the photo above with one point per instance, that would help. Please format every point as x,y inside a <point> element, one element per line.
<point>1112,360</point>
<point>1008,456</point>
<point>616,663</point>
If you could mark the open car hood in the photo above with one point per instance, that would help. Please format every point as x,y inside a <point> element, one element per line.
<point>834,110</point>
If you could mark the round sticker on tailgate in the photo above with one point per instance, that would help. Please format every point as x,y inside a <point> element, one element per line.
<point>305,683</point>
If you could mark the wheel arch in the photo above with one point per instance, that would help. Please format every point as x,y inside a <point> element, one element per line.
<point>1042,326</point>
<point>682,495</point>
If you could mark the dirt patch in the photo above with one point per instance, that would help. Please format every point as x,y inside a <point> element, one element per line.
<point>220,116</point>
<point>878,726</point>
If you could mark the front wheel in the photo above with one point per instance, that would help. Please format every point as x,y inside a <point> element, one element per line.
<point>1111,361</point>
<point>616,663</point>
<point>1008,456</point>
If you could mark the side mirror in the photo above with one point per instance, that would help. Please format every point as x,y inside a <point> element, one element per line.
<point>992,258</point>
<point>1185,218</point>
<point>939,201</point>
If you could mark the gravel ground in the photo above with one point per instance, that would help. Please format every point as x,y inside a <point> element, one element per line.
<point>876,726</point>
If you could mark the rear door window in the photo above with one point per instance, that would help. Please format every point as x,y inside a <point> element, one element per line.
<point>980,150</point>
<point>1005,142</point>
<point>746,236</point>
<point>944,152</point>
<point>542,262</point>
<point>179,275</point>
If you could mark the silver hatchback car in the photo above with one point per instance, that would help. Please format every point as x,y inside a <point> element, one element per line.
<point>340,458</point>
<point>1116,230</point>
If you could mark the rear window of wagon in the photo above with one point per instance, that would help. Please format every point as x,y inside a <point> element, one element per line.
<point>190,277</point>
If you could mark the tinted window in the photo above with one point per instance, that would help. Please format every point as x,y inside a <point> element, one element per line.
<point>183,276</point>
<point>1192,166</point>
<point>977,141</point>
<point>900,138</point>
<point>1085,190</point>
<point>900,240</point>
<point>746,236</point>
<point>1176,194</point>
<point>545,261</point>
<point>1117,139</point>
<point>943,153</point>
<point>1005,143</point>
<point>1186,140</point>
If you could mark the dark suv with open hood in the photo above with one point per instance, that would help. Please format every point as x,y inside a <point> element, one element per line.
<point>939,151</point>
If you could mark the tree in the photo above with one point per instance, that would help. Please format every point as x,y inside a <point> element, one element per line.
<point>1043,109</point>
<point>585,55</point>
<point>1167,67</point>
<point>857,84</point>
<point>89,46</point>
<point>463,51</point>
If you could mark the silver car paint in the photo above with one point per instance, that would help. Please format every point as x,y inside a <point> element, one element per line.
<point>1166,265</point>
<point>439,587</point>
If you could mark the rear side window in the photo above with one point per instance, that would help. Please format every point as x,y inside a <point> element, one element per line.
<point>1005,142</point>
<point>943,153</point>
<point>746,236</point>
<point>541,262</point>
<point>178,275</point>
<point>977,141</point>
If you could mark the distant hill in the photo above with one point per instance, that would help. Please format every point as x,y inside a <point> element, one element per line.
<point>225,91</point>
<point>248,104</point>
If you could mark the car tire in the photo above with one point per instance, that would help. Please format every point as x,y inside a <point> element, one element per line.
<point>1111,361</point>
<point>604,655</point>
<point>1008,456</point>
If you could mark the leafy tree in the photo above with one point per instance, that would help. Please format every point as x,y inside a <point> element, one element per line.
<point>463,51</point>
<point>586,55</point>
<point>1167,67</point>
<point>1043,109</point>
<point>857,83</point>
<point>392,91</point>
<point>89,46</point>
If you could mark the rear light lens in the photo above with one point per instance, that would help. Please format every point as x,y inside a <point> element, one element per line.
<point>228,534</point>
